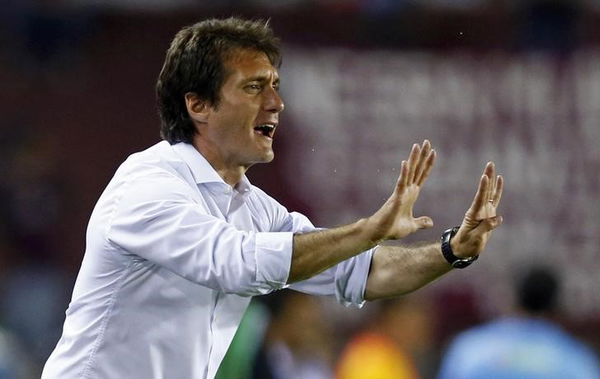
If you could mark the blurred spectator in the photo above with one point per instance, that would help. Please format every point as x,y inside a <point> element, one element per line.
<point>526,345</point>
<point>396,344</point>
<point>298,342</point>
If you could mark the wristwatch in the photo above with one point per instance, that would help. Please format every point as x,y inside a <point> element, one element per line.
<point>447,252</point>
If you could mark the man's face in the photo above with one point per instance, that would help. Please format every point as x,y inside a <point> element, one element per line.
<point>241,129</point>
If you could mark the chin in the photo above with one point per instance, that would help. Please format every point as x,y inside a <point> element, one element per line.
<point>268,158</point>
<point>265,158</point>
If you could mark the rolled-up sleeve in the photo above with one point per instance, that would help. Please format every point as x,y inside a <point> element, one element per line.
<point>157,218</point>
<point>273,257</point>
<point>346,281</point>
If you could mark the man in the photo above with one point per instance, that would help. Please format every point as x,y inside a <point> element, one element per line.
<point>526,345</point>
<point>180,240</point>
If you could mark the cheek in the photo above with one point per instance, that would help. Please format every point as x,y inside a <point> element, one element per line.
<point>235,119</point>
<point>240,113</point>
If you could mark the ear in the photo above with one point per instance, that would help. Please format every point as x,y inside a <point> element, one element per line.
<point>198,109</point>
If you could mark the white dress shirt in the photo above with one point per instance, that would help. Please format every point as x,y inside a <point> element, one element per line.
<point>173,254</point>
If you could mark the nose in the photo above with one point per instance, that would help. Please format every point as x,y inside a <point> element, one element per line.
<point>274,102</point>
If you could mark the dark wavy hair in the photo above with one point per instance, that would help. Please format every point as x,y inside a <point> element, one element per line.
<point>195,62</point>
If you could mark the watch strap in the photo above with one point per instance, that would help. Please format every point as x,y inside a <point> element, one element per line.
<point>448,254</point>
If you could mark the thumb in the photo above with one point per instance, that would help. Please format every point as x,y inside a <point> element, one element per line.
<point>424,222</point>
<point>489,224</point>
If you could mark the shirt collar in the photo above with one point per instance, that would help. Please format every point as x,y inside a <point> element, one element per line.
<point>202,170</point>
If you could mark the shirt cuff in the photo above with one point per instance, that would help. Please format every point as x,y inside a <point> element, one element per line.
<point>273,255</point>
<point>351,279</point>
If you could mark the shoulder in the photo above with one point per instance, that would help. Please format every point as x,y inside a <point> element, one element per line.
<point>156,172</point>
<point>469,341</point>
<point>574,346</point>
<point>157,160</point>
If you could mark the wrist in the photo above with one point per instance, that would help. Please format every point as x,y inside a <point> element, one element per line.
<point>449,251</point>
<point>372,229</point>
<point>455,246</point>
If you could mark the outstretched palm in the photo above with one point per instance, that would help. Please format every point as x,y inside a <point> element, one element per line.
<point>395,218</point>
<point>481,217</point>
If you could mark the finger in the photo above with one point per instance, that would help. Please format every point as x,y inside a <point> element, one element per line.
<point>498,190</point>
<point>402,179</point>
<point>491,174</point>
<point>428,166</point>
<point>488,224</point>
<point>479,199</point>
<point>424,222</point>
<point>412,163</point>
<point>492,187</point>
<point>425,150</point>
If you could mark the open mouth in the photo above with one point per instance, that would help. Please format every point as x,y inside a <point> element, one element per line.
<point>266,130</point>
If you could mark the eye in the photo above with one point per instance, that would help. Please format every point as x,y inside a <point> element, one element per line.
<point>253,87</point>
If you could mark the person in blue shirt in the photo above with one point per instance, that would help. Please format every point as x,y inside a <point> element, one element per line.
<point>527,345</point>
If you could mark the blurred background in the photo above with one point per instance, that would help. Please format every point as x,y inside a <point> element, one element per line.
<point>513,81</point>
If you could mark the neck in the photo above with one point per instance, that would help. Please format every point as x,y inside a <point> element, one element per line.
<point>230,172</point>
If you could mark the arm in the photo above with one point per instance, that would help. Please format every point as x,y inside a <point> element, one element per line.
<point>317,251</point>
<point>398,270</point>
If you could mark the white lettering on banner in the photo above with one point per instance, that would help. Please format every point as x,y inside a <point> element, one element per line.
<point>355,114</point>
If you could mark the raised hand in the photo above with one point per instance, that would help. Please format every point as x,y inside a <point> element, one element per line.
<point>395,218</point>
<point>481,218</point>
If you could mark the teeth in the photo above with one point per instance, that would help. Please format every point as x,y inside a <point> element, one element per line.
<point>265,129</point>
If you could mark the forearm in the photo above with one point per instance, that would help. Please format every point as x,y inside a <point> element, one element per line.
<point>318,251</point>
<point>397,270</point>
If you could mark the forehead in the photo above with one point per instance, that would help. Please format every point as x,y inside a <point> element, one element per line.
<point>245,63</point>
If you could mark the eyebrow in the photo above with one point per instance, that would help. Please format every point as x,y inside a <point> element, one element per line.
<point>261,78</point>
